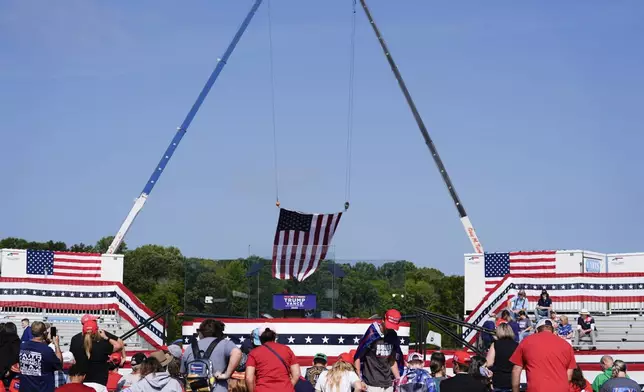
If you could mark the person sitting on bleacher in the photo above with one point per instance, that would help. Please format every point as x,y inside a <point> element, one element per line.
<point>544,306</point>
<point>585,327</point>
<point>554,318</point>
<point>518,304</point>
<point>565,330</point>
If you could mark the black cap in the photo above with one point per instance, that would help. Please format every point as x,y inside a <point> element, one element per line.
<point>137,359</point>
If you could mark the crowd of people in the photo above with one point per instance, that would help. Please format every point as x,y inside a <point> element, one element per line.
<point>213,363</point>
<point>517,316</point>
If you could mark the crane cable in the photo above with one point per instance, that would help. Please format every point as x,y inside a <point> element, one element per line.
<point>352,50</point>
<point>352,57</point>
<point>270,55</point>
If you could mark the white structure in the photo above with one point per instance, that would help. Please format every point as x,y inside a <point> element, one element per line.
<point>567,262</point>
<point>71,290</point>
<point>13,264</point>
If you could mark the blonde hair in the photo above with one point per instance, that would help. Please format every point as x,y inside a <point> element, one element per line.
<point>88,341</point>
<point>334,376</point>
<point>564,319</point>
<point>504,331</point>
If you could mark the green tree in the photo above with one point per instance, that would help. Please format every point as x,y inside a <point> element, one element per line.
<point>82,248</point>
<point>104,243</point>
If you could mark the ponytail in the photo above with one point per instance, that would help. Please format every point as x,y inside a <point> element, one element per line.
<point>88,340</point>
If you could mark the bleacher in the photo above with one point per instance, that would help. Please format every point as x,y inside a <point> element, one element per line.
<point>619,332</point>
<point>68,324</point>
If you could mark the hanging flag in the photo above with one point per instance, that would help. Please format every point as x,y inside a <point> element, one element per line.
<point>63,265</point>
<point>301,241</point>
<point>497,265</point>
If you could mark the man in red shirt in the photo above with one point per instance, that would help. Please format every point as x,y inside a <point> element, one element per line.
<point>547,359</point>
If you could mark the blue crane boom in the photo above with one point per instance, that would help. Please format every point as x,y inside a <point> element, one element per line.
<point>181,131</point>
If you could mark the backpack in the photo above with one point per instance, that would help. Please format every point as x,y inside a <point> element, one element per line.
<point>416,380</point>
<point>313,373</point>
<point>201,377</point>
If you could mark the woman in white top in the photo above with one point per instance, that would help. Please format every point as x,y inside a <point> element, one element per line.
<point>341,378</point>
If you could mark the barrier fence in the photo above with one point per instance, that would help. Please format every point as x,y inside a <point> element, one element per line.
<point>245,287</point>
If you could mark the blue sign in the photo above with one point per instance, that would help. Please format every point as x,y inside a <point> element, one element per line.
<point>294,301</point>
<point>592,265</point>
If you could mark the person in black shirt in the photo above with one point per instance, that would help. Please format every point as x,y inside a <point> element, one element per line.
<point>480,372</point>
<point>248,344</point>
<point>9,350</point>
<point>498,358</point>
<point>462,381</point>
<point>92,349</point>
<point>544,306</point>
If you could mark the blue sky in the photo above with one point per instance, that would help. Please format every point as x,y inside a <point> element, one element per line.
<point>535,107</point>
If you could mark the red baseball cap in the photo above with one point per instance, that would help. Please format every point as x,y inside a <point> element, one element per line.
<point>462,357</point>
<point>392,319</point>
<point>90,326</point>
<point>115,358</point>
<point>88,317</point>
<point>346,357</point>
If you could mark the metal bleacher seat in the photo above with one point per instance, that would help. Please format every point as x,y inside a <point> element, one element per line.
<point>616,332</point>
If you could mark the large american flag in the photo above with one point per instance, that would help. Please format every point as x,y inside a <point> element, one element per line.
<point>64,265</point>
<point>301,241</point>
<point>497,265</point>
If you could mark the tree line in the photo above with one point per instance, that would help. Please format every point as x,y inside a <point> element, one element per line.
<point>161,276</point>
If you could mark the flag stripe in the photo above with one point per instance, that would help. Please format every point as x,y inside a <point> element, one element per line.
<point>276,270</point>
<point>535,260</point>
<point>287,268</point>
<point>304,253</point>
<point>68,267</point>
<point>532,268</point>
<point>77,261</point>
<point>532,253</point>
<point>71,275</point>
<point>293,248</point>
<point>89,265</point>
<point>78,254</point>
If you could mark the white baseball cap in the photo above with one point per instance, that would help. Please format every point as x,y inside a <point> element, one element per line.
<point>543,322</point>
<point>68,357</point>
<point>415,357</point>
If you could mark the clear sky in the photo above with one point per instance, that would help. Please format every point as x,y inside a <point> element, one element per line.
<point>536,108</point>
